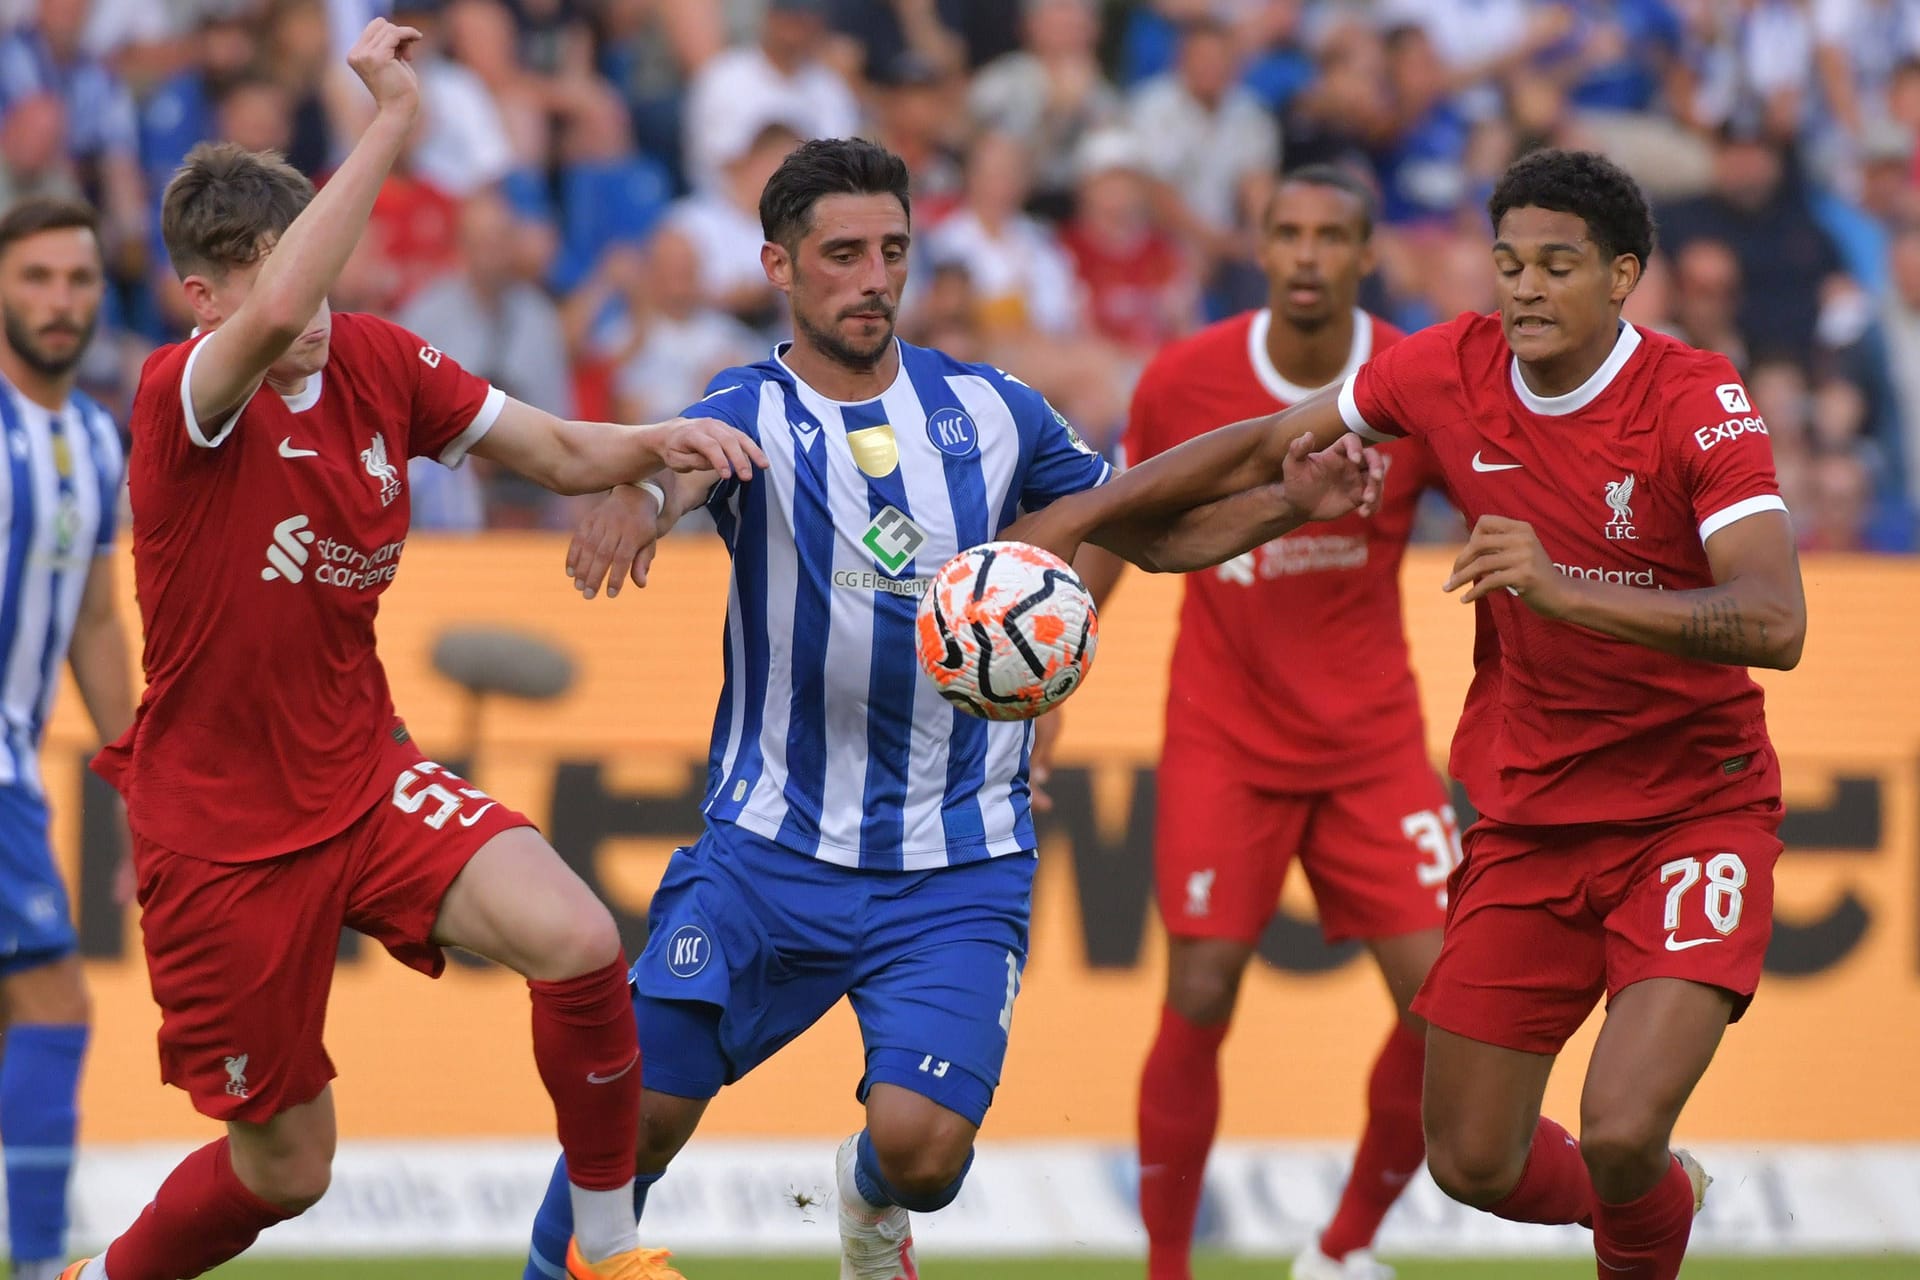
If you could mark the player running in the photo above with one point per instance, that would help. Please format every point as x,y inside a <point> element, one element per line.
<point>59,499</point>
<point>1630,554</point>
<point>1266,757</point>
<point>273,794</point>
<point>863,838</point>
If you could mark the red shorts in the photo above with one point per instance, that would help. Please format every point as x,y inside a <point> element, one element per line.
<point>1546,920</point>
<point>1377,853</point>
<point>241,954</point>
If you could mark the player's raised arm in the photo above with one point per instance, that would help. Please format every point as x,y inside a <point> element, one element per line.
<point>590,457</point>
<point>287,298</point>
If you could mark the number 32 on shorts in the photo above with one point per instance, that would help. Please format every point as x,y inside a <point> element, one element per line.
<point>1725,876</point>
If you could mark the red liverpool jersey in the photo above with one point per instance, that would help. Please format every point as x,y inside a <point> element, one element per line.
<point>1292,655</point>
<point>261,546</point>
<point>1623,479</point>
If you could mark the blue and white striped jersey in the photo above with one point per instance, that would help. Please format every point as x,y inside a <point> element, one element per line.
<point>59,500</point>
<point>828,740</point>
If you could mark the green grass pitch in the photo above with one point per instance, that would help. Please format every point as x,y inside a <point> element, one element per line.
<point>701,1268</point>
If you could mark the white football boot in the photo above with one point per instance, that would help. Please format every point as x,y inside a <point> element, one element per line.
<point>1698,1176</point>
<point>1358,1265</point>
<point>875,1244</point>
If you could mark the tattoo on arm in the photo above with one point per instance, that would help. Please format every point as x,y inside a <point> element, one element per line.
<point>1717,632</point>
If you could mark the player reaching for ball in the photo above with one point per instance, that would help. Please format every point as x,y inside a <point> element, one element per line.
<point>1630,556</point>
<point>863,837</point>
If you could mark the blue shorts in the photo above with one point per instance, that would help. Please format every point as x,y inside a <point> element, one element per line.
<point>36,925</point>
<point>750,944</point>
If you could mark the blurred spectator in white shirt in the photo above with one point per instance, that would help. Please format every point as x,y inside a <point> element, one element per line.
<point>1022,278</point>
<point>670,341</point>
<point>1207,137</point>
<point>1051,93</point>
<point>724,226</point>
<point>499,327</point>
<point>780,80</point>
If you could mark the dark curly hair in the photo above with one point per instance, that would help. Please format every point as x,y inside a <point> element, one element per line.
<point>1587,185</point>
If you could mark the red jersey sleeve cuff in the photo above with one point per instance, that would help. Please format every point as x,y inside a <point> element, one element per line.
<point>456,451</point>
<point>195,432</point>
<point>1355,420</point>
<point>1739,511</point>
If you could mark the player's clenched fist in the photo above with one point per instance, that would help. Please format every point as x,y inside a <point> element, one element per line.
<point>703,444</point>
<point>1507,553</point>
<point>1345,476</point>
<point>382,58</point>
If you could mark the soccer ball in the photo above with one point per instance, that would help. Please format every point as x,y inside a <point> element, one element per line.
<point>1006,631</point>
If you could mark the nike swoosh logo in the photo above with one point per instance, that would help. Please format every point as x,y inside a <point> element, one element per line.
<point>722,391</point>
<point>468,819</point>
<point>594,1079</point>
<point>1478,465</point>
<point>1674,945</point>
<point>288,451</point>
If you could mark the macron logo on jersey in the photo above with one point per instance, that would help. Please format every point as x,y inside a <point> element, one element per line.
<point>287,556</point>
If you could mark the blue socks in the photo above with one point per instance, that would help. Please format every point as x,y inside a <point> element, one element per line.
<point>39,1113</point>
<point>553,1224</point>
<point>876,1191</point>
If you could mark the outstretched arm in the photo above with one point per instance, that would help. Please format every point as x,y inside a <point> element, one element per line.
<point>588,457</point>
<point>1148,515</point>
<point>1755,614</point>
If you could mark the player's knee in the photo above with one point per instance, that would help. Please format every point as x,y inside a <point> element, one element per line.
<point>1623,1146</point>
<point>587,940</point>
<point>665,1127</point>
<point>925,1165</point>
<point>51,995</point>
<point>294,1180</point>
<point>1204,993</point>
<point>1479,1173</point>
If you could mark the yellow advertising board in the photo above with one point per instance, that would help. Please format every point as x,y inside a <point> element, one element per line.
<point>613,771</point>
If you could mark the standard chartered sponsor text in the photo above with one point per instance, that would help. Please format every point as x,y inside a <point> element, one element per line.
<point>346,566</point>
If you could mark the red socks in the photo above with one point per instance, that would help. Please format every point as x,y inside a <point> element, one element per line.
<point>1392,1147</point>
<point>202,1216</point>
<point>1644,1239</point>
<point>1555,1186</point>
<point>589,1057</point>
<point>588,1053</point>
<point>1179,1110</point>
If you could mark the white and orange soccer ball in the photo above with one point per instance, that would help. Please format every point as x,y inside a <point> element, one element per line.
<point>1006,631</point>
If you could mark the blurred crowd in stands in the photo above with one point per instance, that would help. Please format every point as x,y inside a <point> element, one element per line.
<point>576,219</point>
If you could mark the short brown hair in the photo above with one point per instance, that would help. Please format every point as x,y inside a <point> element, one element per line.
<point>226,206</point>
<point>34,214</point>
